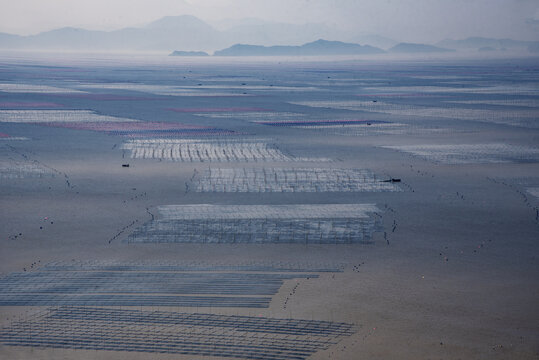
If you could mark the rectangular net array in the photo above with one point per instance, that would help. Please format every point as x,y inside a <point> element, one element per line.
<point>259,87</point>
<point>251,266</point>
<point>347,127</point>
<point>35,89</point>
<point>194,91</point>
<point>237,109</point>
<point>185,150</point>
<point>533,103</point>
<point>389,129</point>
<point>471,153</point>
<point>162,90</point>
<point>254,116</point>
<point>116,283</point>
<point>28,105</point>
<point>234,212</point>
<point>57,116</point>
<point>302,124</point>
<point>397,95</point>
<point>111,125</point>
<point>302,224</point>
<point>133,300</point>
<point>195,334</point>
<point>134,282</point>
<point>290,180</point>
<point>512,89</point>
<point>517,117</point>
<point>7,137</point>
<point>10,169</point>
<point>523,118</point>
<point>139,129</point>
<point>354,105</point>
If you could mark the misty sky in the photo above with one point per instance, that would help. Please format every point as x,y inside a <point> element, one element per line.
<point>403,20</point>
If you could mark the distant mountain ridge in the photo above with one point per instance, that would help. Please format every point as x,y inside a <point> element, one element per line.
<point>189,33</point>
<point>262,32</point>
<point>411,48</point>
<point>171,32</point>
<point>184,32</point>
<point>318,47</point>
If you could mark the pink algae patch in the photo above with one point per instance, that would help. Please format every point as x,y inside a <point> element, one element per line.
<point>223,109</point>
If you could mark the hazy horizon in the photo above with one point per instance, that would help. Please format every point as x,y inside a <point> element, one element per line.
<point>407,21</point>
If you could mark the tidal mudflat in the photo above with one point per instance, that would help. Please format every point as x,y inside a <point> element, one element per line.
<point>269,209</point>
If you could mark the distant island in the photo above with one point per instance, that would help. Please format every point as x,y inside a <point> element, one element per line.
<point>318,47</point>
<point>417,48</point>
<point>189,53</point>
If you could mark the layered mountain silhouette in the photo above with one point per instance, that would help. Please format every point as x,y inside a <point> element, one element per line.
<point>185,32</point>
<point>411,48</point>
<point>171,32</point>
<point>271,33</point>
<point>318,47</point>
<point>188,33</point>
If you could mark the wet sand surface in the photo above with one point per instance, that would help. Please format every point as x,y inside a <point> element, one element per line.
<point>446,266</point>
